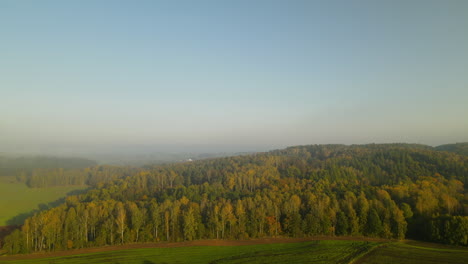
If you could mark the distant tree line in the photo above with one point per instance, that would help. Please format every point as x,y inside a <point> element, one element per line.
<point>383,191</point>
<point>42,178</point>
<point>11,166</point>
<point>459,148</point>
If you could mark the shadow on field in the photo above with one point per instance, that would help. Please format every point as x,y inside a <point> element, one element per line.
<point>152,262</point>
<point>19,219</point>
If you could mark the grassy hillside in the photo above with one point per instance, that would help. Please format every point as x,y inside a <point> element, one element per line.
<point>327,251</point>
<point>17,200</point>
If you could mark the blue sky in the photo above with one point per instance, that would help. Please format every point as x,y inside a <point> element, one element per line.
<point>232,74</point>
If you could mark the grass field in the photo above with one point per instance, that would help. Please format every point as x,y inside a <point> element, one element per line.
<point>408,253</point>
<point>305,252</point>
<point>322,251</point>
<point>16,199</point>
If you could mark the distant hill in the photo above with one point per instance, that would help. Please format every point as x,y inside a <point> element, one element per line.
<point>459,148</point>
<point>9,165</point>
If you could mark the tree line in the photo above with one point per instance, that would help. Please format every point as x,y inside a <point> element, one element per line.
<point>49,177</point>
<point>387,191</point>
<point>11,165</point>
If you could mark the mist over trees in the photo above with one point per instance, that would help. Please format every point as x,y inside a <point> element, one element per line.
<point>42,178</point>
<point>27,164</point>
<point>388,191</point>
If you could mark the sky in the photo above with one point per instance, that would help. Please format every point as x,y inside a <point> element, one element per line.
<point>231,75</point>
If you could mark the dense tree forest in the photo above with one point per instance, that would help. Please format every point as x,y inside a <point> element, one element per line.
<point>459,148</point>
<point>388,191</point>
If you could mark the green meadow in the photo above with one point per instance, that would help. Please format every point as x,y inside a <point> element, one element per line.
<point>327,251</point>
<point>408,254</point>
<point>315,251</point>
<point>17,200</point>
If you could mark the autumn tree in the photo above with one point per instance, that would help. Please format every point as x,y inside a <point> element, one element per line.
<point>120,220</point>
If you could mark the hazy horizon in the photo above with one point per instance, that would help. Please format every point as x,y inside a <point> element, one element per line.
<point>141,152</point>
<point>210,76</point>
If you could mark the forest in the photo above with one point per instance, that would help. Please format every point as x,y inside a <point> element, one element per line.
<point>459,148</point>
<point>379,190</point>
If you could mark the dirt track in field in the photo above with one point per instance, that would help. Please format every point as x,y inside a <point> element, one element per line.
<point>211,242</point>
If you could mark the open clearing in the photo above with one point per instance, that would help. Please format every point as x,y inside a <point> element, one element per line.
<point>255,251</point>
<point>17,200</point>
